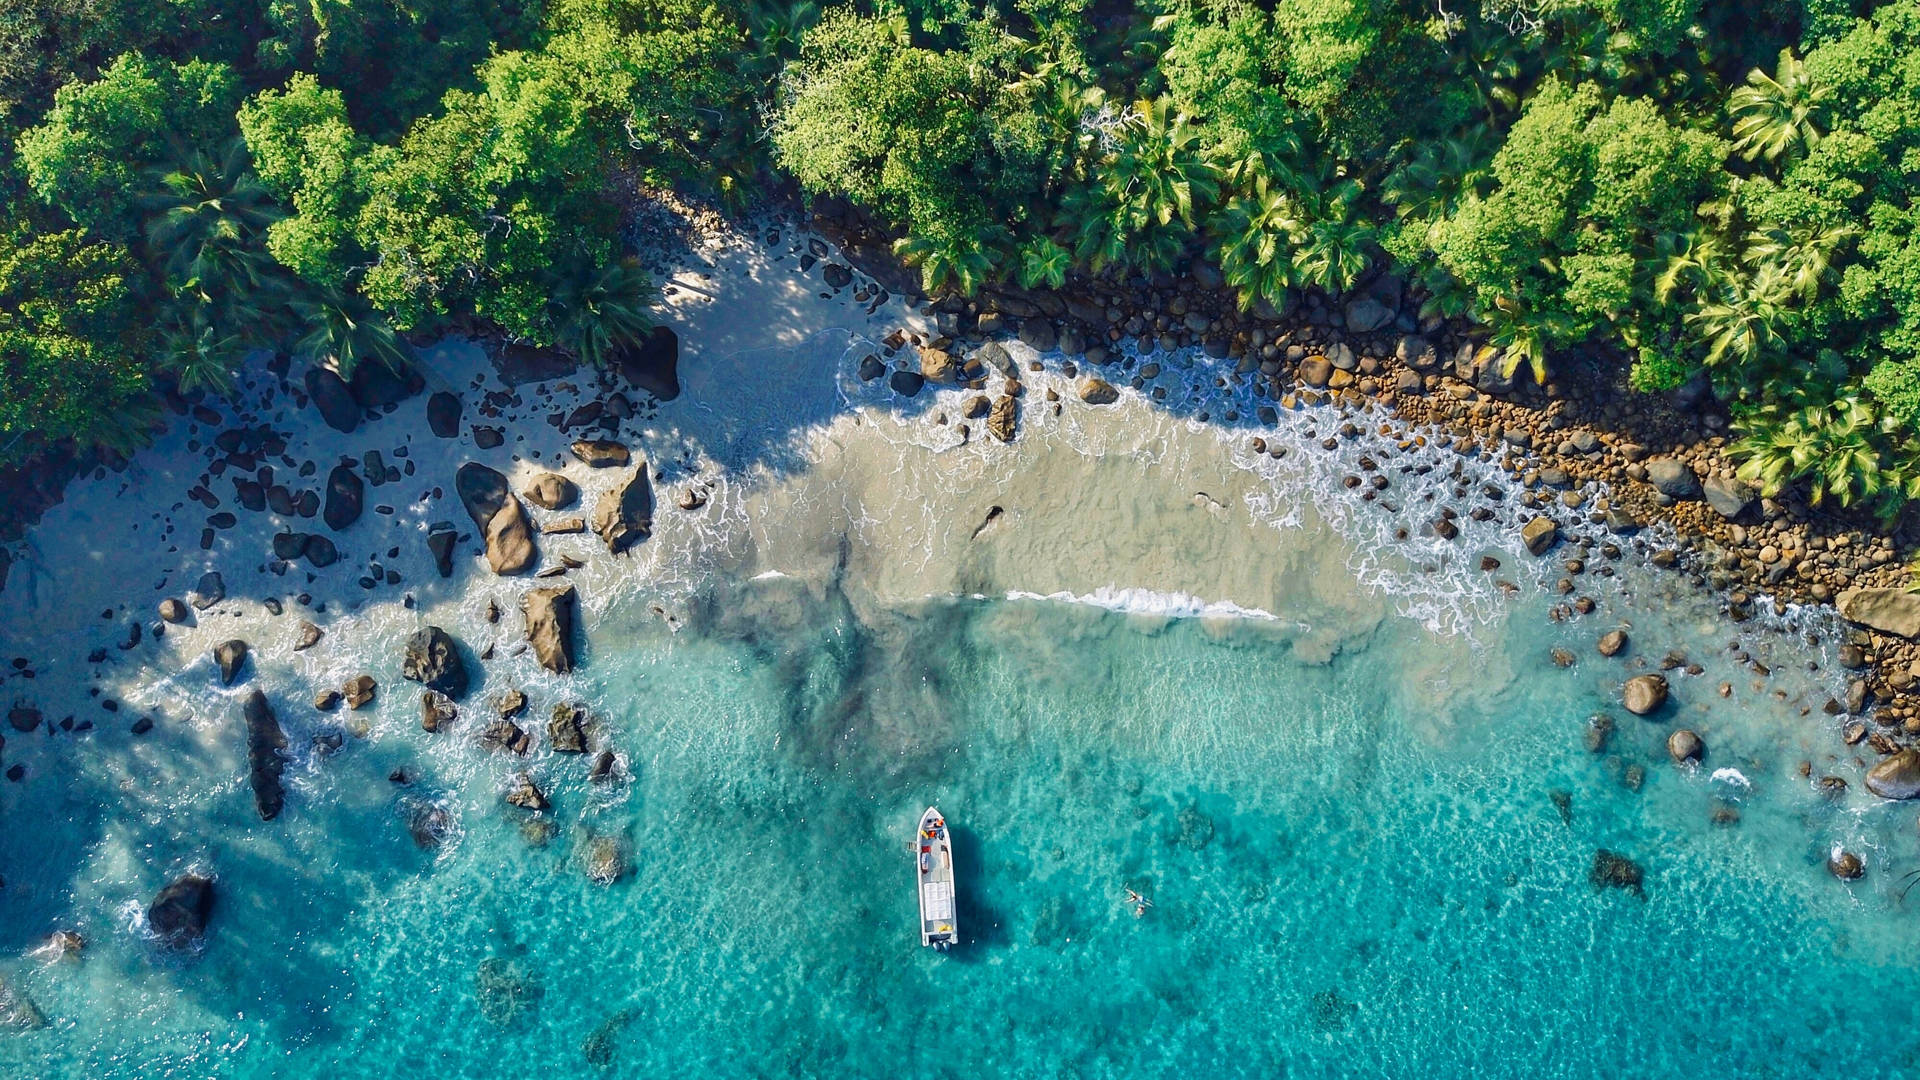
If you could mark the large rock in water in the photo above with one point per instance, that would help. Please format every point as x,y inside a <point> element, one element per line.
<point>1098,392</point>
<point>346,497</point>
<point>265,740</point>
<point>1895,611</point>
<point>332,397</point>
<point>1004,418</point>
<point>178,915</point>
<point>602,453</point>
<point>551,491</point>
<point>229,656</point>
<point>654,365</point>
<point>549,615</point>
<point>1896,776</point>
<point>499,516</point>
<point>1644,694</point>
<point>433,660</point>
<point>624,515</point>
<point>1539,535</point>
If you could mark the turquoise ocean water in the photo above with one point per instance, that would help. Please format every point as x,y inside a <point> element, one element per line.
<point>1353,874</point>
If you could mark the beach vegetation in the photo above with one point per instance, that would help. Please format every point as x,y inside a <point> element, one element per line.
<point>1694,192</point>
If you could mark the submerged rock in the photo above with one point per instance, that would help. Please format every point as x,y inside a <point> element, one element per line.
<point>505,990</point>
<point>428,823</point>
<point>524,793</point>
<point>17,1010</point>
<point>566,730</point>
<point>178,914</point>
<point>433,660</point>
<point>265,741</point>
<point>1612,870</point>
<point>624,515</point>
<point>549,614</point>
<point>604,858</point>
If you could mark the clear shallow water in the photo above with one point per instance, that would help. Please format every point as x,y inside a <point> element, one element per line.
<point>1352,873</point>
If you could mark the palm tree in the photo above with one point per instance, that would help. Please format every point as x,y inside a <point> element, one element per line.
<point>1044,260</point>
<point>1442,175</point>
<point>1334,250</point>
<point>597,310</point>
<point>962,261</point>
<point>1254,236</point>
<point>207,226</point>
<point>199,355</point>
<point>1801,256</point>
<point>1149,191</point>
<point>341,327</point>
<point>1777,115</point>
<point>1744,323</point>
<point>1697,260</point>
<point>1835,442</point>
<point>1525,336</point>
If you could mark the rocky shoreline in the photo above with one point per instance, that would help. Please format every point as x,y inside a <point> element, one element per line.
<point>1589,461</point>
<point>1656,459</point>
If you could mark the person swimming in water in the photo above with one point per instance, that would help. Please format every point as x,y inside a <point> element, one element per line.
<point>1140,903</point>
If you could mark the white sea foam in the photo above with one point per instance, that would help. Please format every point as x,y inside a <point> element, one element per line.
<point>1138,601</point>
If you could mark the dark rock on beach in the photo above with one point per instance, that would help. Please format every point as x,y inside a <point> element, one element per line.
<point>178,914</point>
<point>654,366</point>
<point>333,398</point>
<point>499,516</point>
<point>432,659</point>
<point>265,741</point>
<point>443,414</point>
<point>346,498</point>
<point>906,383</point>
<point>210,590</point>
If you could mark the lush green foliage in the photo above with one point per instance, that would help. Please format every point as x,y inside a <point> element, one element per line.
<point>1720,192</point>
